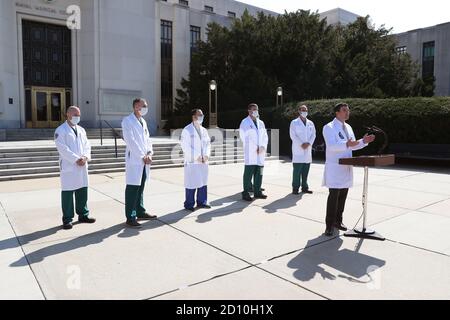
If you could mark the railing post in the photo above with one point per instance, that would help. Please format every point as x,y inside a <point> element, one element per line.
<point>101,133</point>
<point>115,144</point>
<point>235,147</point>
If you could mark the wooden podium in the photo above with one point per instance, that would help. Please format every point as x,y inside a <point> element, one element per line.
<point>366,162</point>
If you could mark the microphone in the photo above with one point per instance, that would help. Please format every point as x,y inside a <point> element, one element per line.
<point>375,130</point>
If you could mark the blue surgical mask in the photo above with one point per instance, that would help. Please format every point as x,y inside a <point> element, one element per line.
<point>304,114</point>
<point>256,114</point>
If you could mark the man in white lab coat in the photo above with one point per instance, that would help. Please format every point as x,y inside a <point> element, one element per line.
<point>196,146</point>
<point>254,137</point>
<point>74,153</point>
<point>303,135</point>
<point>340,143</point>
<point>138,158</point>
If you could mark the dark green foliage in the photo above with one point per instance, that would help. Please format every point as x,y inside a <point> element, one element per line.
<point>301,53</point>
<point>405,120</point>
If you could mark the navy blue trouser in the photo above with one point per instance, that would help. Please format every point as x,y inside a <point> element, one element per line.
<point>202,197</point>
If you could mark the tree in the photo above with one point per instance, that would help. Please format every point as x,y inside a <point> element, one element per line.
<point>301,53</point>
<point>367,64</point>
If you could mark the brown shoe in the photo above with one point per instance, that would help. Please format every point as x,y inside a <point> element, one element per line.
<point>146,216</point>
<point>260,196</point>
<point>68,226</point>
<point>86,220</point>
<point>133,224</point>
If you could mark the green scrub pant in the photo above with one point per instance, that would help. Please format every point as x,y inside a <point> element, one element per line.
<point>300,176</point>
<point>134,200</point>
<point>255,172</point>
<point>81,197</point>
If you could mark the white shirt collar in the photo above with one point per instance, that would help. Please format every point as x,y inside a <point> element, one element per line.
<point>338,123</point>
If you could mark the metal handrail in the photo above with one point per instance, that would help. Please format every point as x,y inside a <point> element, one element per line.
<point>116,135</point>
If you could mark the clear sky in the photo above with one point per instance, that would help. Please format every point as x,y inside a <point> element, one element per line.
<point>402,15</point>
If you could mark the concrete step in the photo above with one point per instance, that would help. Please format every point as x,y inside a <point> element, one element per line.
<point>53,155</point>
<point>39,152</point>
<point>156,146</point>
<point>50,167</point>
<point>96,147</point>
<point>37,162</point>
<point>113,170</point>
<point>47,134</point>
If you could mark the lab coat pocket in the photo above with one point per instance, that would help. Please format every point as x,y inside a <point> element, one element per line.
<point>134,160</point>
<point>66,166</point>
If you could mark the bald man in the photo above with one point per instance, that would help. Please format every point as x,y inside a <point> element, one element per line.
<point>74,154</point>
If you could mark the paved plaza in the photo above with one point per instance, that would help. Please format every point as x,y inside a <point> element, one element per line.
<point>269,249</point>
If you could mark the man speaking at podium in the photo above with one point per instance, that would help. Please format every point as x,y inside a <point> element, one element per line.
<point>340,143</point>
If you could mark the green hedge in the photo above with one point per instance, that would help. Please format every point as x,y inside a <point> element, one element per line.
<point>405,120</point>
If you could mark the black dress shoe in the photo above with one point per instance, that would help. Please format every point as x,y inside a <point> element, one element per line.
<point>133,224</point>
<point>261,196</point>
<point>68,226</point>
<point>86,220</point>
<point>328,232</point>
<point>146,216</point>
<point>247,197</point>
<point>190,209</point>
<point>307,191</point>
<point>204,206</point>
<point>295,191</point>
<point>341,227</point>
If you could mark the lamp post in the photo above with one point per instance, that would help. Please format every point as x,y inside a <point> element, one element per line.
<point>213,112</point>
<point>279,97</point>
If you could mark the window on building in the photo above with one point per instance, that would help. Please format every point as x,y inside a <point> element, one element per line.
<point>209,9</point>
<point>184,3</point>
<point>195,38</point>
<point>231,14</point>
<point>166,69</point>
<point>401,50</point>
<point>428,60</point>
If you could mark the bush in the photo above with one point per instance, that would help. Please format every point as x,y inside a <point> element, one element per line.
<point>227,119</point>
<point>405,120</point>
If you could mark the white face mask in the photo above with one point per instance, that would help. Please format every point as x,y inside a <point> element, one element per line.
<point>255,114</point>
<point>304,114</point>
<point>200,120</point>
<point>75,120</point>
<point>143,112</point>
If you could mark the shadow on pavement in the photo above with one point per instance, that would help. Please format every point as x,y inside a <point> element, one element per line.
<point>288,201</point>
<point>28,238</point>
<point>352,264</point>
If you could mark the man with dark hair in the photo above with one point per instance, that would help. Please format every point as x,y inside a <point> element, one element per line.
<point>340,143</point>
<point>196,146</point>
<point>254,137</point>
<point>303,135</point>
<point>138,158</point>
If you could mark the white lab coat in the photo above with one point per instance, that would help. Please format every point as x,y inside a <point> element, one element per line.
<point>338,176</point>
<point>137,138</point>
<point>71,148</point>
<point>194,146</point>
<point>252,138</point>
<point>300,134</point>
